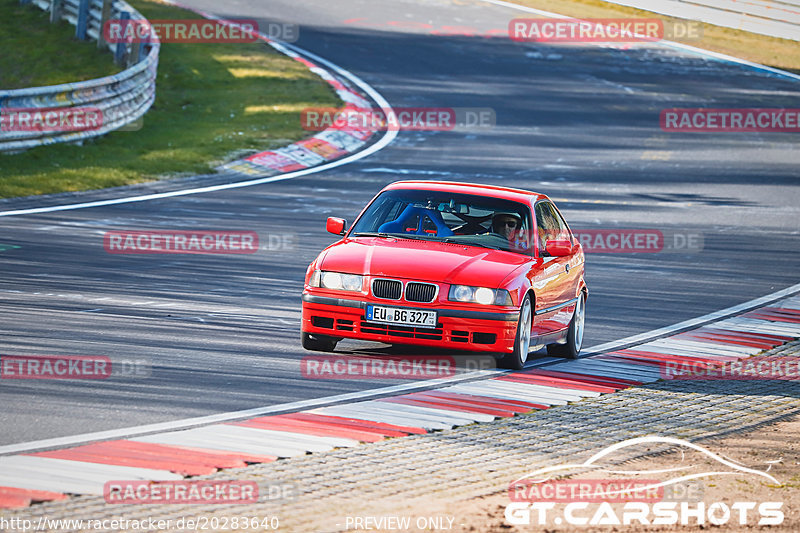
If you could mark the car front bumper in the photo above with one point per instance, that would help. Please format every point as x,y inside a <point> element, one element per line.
<point>457,328</point>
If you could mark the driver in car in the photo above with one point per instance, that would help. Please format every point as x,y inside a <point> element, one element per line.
<point>509,225</point>
<point>506,224</point>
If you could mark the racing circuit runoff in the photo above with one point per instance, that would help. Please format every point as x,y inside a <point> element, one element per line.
<point>434,243</point>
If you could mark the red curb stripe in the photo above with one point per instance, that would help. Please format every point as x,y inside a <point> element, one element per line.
<point>127,459</point>
<point>448,406</point>
<point>11,501</point>
<point>16,498</point>
<point>767,337</point>
<point>664,358</point>
<point>686,358</point>
<point>388,430</point>
<point>305,62</point>
<point>517,406</point>
<point>247,457</point>
<point>532,380</point>
<point>641,361</point>
<point>712,338</point>
<point>160,452</point>
<point>736,336</point>
<point>774,314</point>
<point>309,428</point>
<point>588,378</point>
<point>476,404</point>
<point>784,310</point>
<point>567,383</point>
<point>726,339</point>
<point>217,459</point>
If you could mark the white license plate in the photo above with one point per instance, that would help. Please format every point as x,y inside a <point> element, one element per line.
<point>420,318</point>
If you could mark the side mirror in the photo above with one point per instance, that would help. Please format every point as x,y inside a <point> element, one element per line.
<point>336,225</point>
<point>559,248</point>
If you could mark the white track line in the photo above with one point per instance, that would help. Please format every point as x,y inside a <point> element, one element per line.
<point>174,425</point>
<point>671,44</point>
<point>691,323</point>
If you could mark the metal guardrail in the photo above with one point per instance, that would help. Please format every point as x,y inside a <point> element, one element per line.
<point>119,99</point>
<point>776,18</point>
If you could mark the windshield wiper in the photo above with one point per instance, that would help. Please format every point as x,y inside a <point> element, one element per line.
<point>371,234</point>
<point>478,244</point>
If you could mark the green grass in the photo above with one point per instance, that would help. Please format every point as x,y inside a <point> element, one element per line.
<point>770,51</point>
<point>33,50</point>
<point>213,101</point>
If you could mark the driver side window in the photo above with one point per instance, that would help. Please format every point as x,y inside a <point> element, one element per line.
<point>549,225</point>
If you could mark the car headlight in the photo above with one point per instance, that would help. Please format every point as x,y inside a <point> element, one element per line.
<point>479,295</point>
<point>337,281</point>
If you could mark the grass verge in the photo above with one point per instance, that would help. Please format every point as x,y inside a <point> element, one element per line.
<point>771,51</point>
<point>33,50</point>
<point>213,100</point>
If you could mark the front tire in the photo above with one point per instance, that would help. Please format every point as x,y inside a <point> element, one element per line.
<point>522,343</point>
<point>318,343</point>
<point>574,334</point>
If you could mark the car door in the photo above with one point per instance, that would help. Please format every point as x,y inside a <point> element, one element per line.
<point>556,281</point>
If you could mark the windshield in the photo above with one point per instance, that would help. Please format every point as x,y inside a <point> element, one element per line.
<point>448,217</point>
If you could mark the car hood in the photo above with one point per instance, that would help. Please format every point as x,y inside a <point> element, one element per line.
<point>421,260</point>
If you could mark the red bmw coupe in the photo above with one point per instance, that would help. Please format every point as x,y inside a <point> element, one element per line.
<point>452,265</point>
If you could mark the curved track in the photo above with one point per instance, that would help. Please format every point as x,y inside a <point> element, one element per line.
<point>577,123</point>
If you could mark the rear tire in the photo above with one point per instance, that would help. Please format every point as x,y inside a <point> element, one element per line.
<point>318,343</point>
<point>574,334</point>
<point>522,343</point>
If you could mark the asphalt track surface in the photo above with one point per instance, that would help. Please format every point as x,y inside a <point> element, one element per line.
<point>579,123</point>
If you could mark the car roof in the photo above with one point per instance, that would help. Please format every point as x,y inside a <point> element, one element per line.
<point>506,193</point>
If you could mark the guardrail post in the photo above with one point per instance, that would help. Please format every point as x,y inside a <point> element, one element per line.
<point>121,53</point>
<point>83,20</point>
<point>105,16</point>
<point>55,11</point>
<point>124,97</point>
<point>136,49</point>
